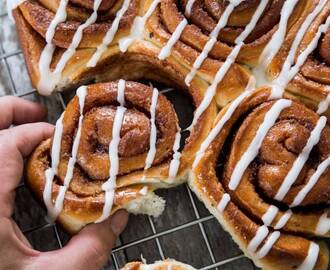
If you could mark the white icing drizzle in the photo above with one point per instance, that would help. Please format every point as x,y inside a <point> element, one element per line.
<point>175,162</point>
<point>81,93</point>
<point>121,92</point>
<point>47,77</point>
<point>56,146</point>
<point>262,233</point>
<point>287,73</point>
<point>211,42</point>
<point>110,185</point>
<point>253,149</point>
<point>109,36</point>
<point>59,202</point>
<point>109,198</point>
<point>114,143</point>
<point>283,220</point>
<point>211,90</point>
<point>274,44</point>
<point>77,38</point>
<point>143,259</point>
<point>189,7</point>
<point>113,149</point>
<point>302,31</point>
<point>277,39</point>
<point>223,202</point>
<point>311,259</point>
<point>259,71</point>
<point>271,240</point>
<point>218,127</point>
<point>269,215</point>
<point>143,191</point>
<point>153,132</point>
<point>252,24</point>
<point>324,104</point>
<point>137,28</point>
<point>301,159</point>
<point>166,50</point>
<point>47,193</point>
<point>323,226</point>
<point>311,182</point>
<point>260,236</point>
<point>51,172</point>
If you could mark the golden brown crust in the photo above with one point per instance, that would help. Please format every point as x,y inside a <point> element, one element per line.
<point>243,215</point>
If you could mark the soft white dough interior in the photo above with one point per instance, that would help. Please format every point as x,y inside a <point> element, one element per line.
<point>149,204</point>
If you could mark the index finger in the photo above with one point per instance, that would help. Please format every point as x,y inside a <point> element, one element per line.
<point>14,110</point>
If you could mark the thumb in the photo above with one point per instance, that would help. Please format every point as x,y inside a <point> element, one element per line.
<point>91,248</point>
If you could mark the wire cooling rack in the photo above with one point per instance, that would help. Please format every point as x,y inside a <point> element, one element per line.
<point>186,231</point>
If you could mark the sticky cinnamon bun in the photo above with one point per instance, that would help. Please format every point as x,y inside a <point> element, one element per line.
<point>112,147</point>
<point>270,190</point>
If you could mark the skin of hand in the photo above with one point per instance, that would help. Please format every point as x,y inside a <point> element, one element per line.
<point>90,248</point>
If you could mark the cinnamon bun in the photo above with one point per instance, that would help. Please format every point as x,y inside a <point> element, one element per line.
<point>271,192</point>
<point>112,147</point>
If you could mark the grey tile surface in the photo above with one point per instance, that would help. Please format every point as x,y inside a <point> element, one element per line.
<point>185,243</point>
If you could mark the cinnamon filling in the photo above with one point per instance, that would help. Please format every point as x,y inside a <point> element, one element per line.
<point>317,67</point>
<point>93,164</point>
<point>205,15</point>
<point>96,135</point>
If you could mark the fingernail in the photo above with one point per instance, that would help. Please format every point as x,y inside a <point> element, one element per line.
<point>118,221</point>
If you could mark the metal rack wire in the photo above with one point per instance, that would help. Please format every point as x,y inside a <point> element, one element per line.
<point>121,246</point>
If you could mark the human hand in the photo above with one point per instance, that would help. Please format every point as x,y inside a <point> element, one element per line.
<point>90,249</point>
